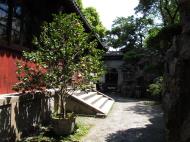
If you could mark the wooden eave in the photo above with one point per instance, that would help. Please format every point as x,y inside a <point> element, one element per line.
<point>74,8</point>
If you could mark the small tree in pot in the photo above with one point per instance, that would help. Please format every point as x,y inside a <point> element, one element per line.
<point>69,56</point>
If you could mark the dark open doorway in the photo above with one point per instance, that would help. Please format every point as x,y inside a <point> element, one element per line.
<point>111,79</point>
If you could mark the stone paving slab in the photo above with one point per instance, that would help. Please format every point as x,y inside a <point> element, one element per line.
<point>129,121</point>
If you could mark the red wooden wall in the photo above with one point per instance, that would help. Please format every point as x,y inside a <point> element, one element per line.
<point>8,69</point>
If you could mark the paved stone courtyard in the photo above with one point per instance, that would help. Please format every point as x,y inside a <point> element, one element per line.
<point>129,120</point>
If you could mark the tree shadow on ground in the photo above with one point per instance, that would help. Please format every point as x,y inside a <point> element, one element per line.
<point>150,110</point>
<point>153,132</point>
<point>150,133</point>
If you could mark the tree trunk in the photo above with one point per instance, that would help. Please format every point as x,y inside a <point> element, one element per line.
<point>185,15</point>
<point>62,104</point>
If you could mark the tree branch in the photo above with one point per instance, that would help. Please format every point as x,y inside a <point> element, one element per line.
<point>176,11</point>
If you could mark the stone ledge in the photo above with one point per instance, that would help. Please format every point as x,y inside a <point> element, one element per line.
<point>6,99</point>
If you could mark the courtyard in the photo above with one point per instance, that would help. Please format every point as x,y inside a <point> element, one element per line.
<point>130,120</point>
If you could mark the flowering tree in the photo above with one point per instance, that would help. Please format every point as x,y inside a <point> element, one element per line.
<point>67,53</point>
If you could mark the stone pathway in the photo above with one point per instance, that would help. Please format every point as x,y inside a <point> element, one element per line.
<point>129,121</point>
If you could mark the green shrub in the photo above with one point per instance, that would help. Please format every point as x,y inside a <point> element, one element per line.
<point>65,56</point>
<point>133,55</point>
<point>80,131</point>
<point>155,89</point>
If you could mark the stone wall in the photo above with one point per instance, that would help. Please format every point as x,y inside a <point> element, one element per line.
<point>21,114</point>
<point>177,84</point>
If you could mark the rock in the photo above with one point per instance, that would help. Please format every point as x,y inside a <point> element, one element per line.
<point>177,82</point>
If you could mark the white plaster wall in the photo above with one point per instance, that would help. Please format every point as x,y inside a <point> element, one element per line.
<point>114,64</point>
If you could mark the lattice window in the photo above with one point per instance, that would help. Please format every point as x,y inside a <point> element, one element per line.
<point>3,18</point>
<point>10,21</point>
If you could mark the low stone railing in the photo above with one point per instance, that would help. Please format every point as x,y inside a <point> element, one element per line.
<point>20,113</point>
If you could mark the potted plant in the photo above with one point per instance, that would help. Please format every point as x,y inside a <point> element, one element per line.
<point>65,56</point>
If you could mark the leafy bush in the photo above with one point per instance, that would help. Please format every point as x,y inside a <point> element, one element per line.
<point>152,40</point>
<point>155,89</point>
<point>67,55</point>
<point>80,131</point>
<point>133,55</point>
<point>156,35</point>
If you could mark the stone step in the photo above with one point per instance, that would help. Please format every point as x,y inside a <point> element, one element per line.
<point>78,93</point>
<point>86,96</point>
<point>107,106</point>
<point>100,102</point>
<point>94,99</point>
<point>104,103</point>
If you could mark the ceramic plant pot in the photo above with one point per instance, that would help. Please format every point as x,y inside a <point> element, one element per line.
<point>63,126</point>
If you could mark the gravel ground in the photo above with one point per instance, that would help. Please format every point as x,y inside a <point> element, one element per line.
<point>128,121</point>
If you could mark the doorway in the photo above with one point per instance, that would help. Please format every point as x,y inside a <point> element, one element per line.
<point>111,79</point>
